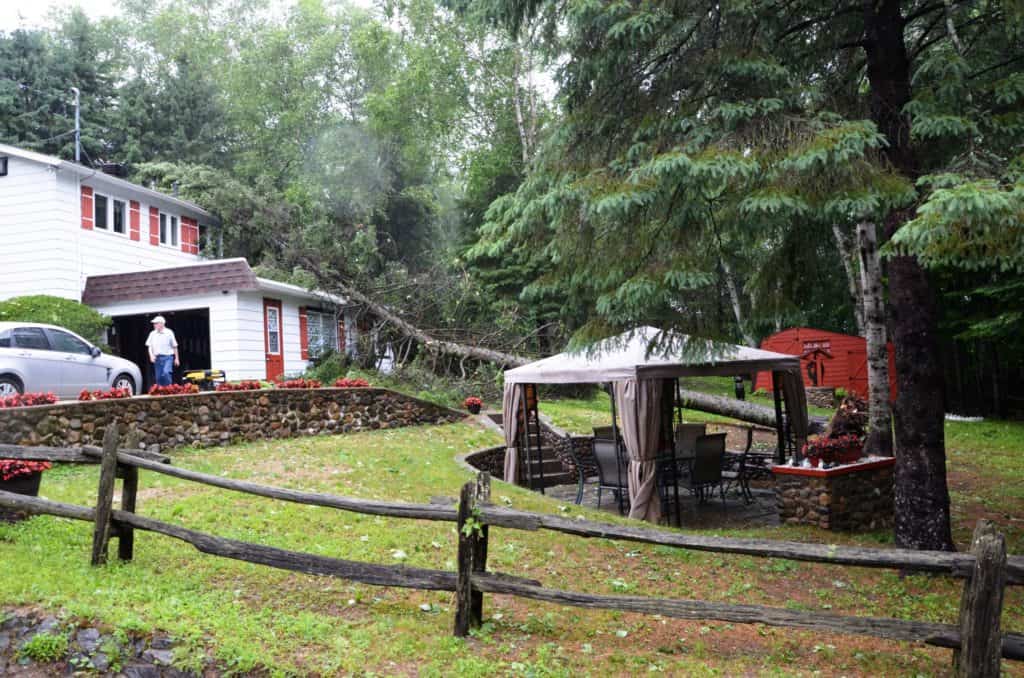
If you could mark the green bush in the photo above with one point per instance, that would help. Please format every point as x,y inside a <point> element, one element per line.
<point>40,308</point>
<point>45,647</point>
<point>329,367</point>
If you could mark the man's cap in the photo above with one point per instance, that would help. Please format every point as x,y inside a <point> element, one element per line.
<point>158,319</point>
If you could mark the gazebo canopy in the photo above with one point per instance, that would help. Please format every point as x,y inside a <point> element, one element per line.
<point>649,353</point>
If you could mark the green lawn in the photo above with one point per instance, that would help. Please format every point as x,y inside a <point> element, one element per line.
<point>248,616</point>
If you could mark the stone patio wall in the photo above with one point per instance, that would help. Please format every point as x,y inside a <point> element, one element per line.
<point>844,498</point>
<point>220,418</point>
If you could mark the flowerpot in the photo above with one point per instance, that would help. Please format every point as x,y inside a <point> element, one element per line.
<point>849,456</point>
<point>473,409</point>
<point>27,485</point>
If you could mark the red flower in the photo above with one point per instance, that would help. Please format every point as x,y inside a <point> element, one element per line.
<point>345,382</point>
<point>173,389</point>
<point>12,468</point>
<point>301,383</point>
<point>248,385</point>
<point>27,400</point>
<point>473,401</point>
<point>105,395</point>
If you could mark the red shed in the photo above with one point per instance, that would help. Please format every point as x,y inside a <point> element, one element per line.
<point>827,358</point>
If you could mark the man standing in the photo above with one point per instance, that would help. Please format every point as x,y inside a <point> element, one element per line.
<point>163,351</point>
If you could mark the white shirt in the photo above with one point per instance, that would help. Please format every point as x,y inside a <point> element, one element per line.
<point>162,343</point>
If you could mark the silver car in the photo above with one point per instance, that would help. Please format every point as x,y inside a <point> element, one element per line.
<point>43,358</point>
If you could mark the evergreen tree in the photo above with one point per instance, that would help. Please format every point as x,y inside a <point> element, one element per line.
<point>687,120</point>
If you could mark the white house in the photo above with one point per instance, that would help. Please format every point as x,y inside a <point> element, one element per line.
<point>132,252</point>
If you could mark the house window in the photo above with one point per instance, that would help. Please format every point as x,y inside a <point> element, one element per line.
<point>99,211</point>
<point>273,331</point>
<point>120,213</point>
<point>168,230</point>
<point>321,332</point>
<point>3,166</point>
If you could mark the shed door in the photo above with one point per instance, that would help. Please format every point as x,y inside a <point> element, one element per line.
<point>272,337</point>
<point>857,364</point>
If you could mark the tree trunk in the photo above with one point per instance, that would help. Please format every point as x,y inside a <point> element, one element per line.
<point>879,439</point>
<point>855,287</point>
<point>921,493</point>
<point>737,307</point>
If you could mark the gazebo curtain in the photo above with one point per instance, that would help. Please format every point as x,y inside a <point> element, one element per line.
<point>796,406</point>
<point>511,406</point>
<point>639,404</point>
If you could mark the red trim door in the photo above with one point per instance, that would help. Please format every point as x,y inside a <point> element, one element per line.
<point>273,338</point>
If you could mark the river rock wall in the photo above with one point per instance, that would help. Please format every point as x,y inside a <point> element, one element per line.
<point>220,418</point>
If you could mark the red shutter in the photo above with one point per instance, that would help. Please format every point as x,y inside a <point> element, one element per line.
<point>189,236</point>
<point>87,208</point>
<point>341,334</point>
<point>303,333</point>
<point>154,226</point>
<point>133,219</point>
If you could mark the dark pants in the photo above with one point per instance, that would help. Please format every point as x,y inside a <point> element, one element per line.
<point>163,370</point>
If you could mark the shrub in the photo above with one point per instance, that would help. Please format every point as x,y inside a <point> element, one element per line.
<point>45,648</point>
<point>41,308</point>
<point>345,382</point>
<point>12,468</point>
<point>27,400</point>
<point>328,366</point>
<point>248,385</point>
<point>173,389</point>
<point>110,394</point>
<point>300,383</point>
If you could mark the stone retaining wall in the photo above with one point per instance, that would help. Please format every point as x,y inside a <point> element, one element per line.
<point>845,498</point>
<point>821,396</point>
<point>221,418</point>
<point>490,459</point>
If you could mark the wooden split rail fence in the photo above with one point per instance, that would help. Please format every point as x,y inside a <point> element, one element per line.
<point>978,641</point>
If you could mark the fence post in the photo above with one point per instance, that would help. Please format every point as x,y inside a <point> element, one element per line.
<point>471,558</point>
<point>105,498</point>
<point>129,492</point>
<point>483,496</point>
<point>981,641</point>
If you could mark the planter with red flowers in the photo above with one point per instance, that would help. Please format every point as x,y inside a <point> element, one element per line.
<point>111,394</point>
<point>27,400</point>
<point>247,385</point>
<point>300,383</point>
<point>473,404</point>
<point>829,452</point>
<point>173,389</point>
<point>20,477</point>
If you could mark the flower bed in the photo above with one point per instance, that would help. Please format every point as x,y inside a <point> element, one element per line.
<point>300,383</point>
<point>173,389</point>
<point>248,385</point>
<point>111,394</point>
<point>27,400</point>
<point>345,382</point>
<point>849,497</point>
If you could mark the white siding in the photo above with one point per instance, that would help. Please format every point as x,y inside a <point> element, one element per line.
<point>251,344</point>
<point>222,319</point>
<point>37,252</point>
<point>103,252</point>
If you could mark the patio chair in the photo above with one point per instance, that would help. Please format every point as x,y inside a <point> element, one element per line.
<point>612,471</point>
<point>738,474</point>
<point>686,439</point>
<point>706,469</point>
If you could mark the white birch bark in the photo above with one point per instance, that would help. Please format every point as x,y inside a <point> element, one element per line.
<point>879,438</point>
<point>737,307</point>
<point>853,284</point>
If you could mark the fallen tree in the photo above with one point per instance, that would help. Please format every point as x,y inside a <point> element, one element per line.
<point>696,400</point>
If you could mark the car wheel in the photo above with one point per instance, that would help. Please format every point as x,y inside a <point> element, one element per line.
<point>124,380</point>
<point>10,386</point>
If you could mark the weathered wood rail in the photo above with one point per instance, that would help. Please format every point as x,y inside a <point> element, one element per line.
<point>977,639</point>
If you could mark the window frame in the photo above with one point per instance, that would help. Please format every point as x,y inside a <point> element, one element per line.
<point>105,212</point>
<point>3,165</point>
<point>276,332</point>
<point>124,216</point>
<point>170,229</point>
<point>322,320</point>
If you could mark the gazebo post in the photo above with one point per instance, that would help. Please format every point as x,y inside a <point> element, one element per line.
<point>615,436</point>
<point>780,452</point>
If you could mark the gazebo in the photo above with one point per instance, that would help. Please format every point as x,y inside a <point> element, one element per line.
<point>643,367</point>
